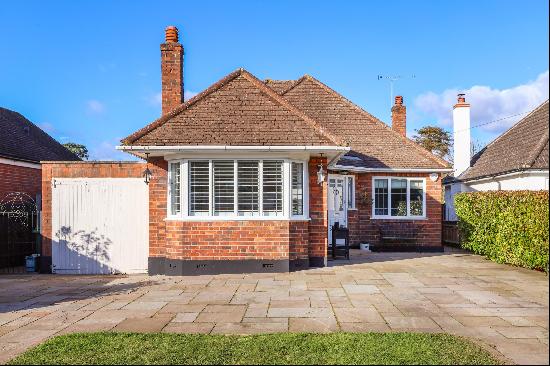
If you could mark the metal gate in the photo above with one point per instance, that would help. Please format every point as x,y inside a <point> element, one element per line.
<point>100,225</point>
<point>19,231</point>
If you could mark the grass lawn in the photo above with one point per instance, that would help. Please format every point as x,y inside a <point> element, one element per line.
<point>285,348</point>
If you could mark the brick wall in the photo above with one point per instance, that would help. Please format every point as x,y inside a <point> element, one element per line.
<point>299,240</point>
<point>227,240</point>
<point>318,225</point>
<point>363,229</point>
<point>77,170</point>
<point>15,178</point>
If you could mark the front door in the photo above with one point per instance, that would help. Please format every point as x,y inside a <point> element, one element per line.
<point>337,208</point>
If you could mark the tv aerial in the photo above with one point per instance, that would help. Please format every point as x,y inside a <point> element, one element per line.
<point>392,79</point>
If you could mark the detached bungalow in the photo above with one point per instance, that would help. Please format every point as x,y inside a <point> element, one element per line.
<point>250,175</point>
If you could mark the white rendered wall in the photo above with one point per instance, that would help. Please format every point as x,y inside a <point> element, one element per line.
<point>462,139</point>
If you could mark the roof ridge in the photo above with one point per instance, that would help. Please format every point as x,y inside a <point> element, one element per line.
<point>163,119</point>
<point>513,127</point>
<point>285,103</point>
<point>361,110</point>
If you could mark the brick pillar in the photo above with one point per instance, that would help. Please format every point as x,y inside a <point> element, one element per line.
<point>318,225</point>
<point>157,214</point>
<point>399,116</point>
<point>171,71</point>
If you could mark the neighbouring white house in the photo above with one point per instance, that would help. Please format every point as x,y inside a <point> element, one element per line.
<point>516,160</point>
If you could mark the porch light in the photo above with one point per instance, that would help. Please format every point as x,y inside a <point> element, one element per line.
<point>321,173</point>
<point>147,174</point>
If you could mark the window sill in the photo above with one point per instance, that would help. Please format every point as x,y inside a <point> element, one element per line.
<point>402,218</point>
<point>222,218</point>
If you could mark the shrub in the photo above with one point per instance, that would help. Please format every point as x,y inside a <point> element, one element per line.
<point>506,226</point>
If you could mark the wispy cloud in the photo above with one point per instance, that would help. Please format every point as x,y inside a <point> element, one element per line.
<point>488,104</point>
<point>94,107</point>
<point>106,151</point>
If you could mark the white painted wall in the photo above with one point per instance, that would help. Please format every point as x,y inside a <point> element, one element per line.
<point>462,138</point>
<point>100,225</point>
<point>530,181</point>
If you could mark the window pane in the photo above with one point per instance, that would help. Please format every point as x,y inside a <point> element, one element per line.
<point>224,183</point>
<point>175,188</point>
<point>351,192</point>
<point>272,187</point>
<point>417,198</point>
<point>399,197</point>
<point>248,185</point>
<point>297,194</point>
<point>381,197</point>
<point>199,184</point>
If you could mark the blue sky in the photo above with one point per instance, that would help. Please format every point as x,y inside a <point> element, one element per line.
<point>89,72</point>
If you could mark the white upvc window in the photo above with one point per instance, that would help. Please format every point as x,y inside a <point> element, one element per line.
<point>350,191</point>
<point>229,189</point>
<point>398,198</point>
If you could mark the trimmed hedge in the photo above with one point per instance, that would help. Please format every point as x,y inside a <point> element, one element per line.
<point>506,226</point>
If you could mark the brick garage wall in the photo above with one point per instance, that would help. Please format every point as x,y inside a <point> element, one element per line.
<point>52,170</point>
<point>363,229</point>
<point>15,178</point>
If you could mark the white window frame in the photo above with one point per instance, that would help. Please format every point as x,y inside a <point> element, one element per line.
<point>287,189</point>
<point>389,216</point>
<point>352,193</point>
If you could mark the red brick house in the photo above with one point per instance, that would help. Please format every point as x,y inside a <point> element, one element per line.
<point>249,175</point>
<point>22,146</point>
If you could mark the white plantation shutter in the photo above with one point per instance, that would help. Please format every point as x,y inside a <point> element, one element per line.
<point>248,188</point>
<point>224,187</point>
<point>272,192</point>
<point>199,188</point>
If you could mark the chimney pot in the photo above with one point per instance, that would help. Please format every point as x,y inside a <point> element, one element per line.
<point>399,100</point>
<point>171,34</point>
<point>461,98</point>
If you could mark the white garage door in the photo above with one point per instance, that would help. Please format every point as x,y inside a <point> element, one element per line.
<point>100,225</point>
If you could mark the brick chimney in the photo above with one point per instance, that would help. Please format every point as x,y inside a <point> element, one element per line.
<point>171,64</point>
<point>399,116</point>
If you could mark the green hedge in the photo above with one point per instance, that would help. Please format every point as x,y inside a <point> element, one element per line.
<point>506,226</point>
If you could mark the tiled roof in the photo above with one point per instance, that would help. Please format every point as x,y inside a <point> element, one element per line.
<point>374,144</point>
<point>20,139</point>
<point>237,110</point>
<point>524,146</point>
<point>242,110</point>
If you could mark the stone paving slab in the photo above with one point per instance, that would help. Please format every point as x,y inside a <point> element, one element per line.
<point>504,307</point>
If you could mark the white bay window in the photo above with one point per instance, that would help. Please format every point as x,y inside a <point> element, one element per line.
<point>237,189</point>
<point>399,198</point>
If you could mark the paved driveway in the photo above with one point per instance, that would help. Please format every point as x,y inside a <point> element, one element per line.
<point>505,307</point>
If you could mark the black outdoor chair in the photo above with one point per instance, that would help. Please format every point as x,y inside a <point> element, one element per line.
<point>340,250</point>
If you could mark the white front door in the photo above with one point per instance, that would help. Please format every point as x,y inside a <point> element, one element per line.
<point>337,207</point>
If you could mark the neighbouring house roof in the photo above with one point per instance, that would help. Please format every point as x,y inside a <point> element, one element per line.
<point>237,110</point>
<point>20,139</point>
<point>523,147</point>
<point>242,110</point>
